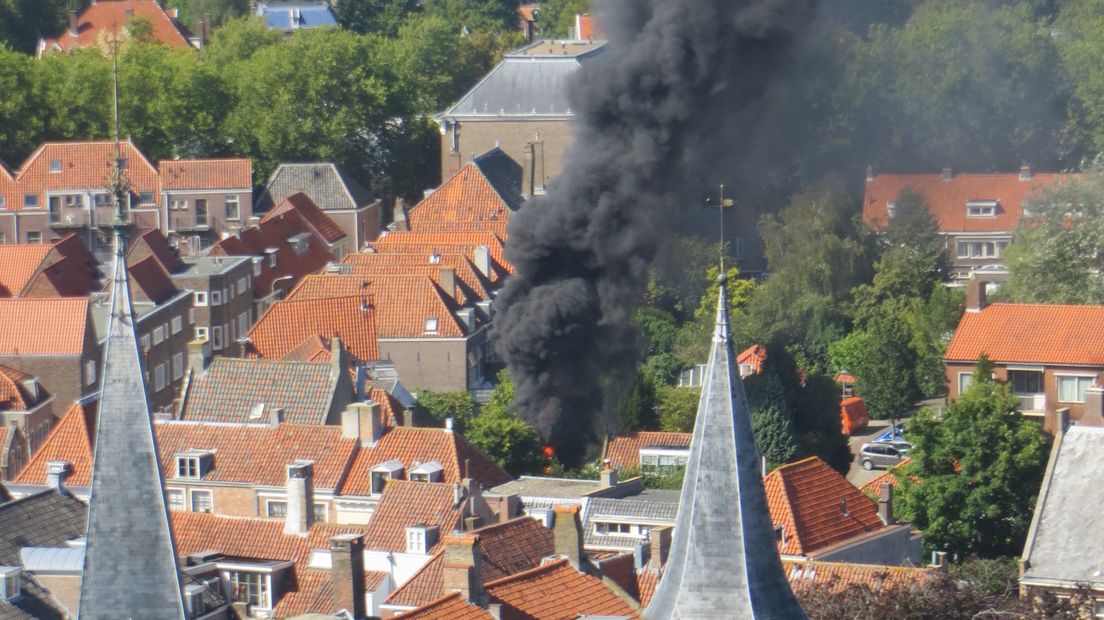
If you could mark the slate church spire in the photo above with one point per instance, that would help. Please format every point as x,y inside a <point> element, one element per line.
<point>130,568</point>
<point>723,561</point>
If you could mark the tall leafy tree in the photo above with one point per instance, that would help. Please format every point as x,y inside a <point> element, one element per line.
<point>21,120</point>
<point>220,11</point>
<point>503,436</point>
<point>975,472</point>
<point>23,22</point>
<point>374,16</point>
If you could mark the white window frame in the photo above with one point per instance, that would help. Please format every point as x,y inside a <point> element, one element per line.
<point>210,500</point>
<point>216,298</point>
<point>268,508</point>
<point>216,338</point>
<point>177,366</point>
<point>965,382</point>
<point>982,208</point>
<point>201,333</point>
<point>55,166</point>
<point>242,285</point>
<point>188,468</point>
<point>145,342</point>
<point>177,324</point>
<point>264,598</point>
<point>34,237</point>
<point>89,372</point>
<point>30,201</point>
<point>1079,378</point>
<point>325,516</point>
<point>159,334</point>
<point>178,204</point>
<point>432,324</point>
<point>174,500</point>
<point>234,200</point>
<point>199,298</point>
<point>160,377</point>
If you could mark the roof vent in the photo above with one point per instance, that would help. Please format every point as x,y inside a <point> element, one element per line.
<point>257,411</point>
<point>11,583</point>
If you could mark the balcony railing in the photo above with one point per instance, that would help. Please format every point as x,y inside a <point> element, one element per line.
<point>189,222</point>
<point>71,219</point>
<point>1032,403</point>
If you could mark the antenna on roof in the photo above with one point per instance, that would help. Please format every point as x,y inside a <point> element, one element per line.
<point>721,204</point>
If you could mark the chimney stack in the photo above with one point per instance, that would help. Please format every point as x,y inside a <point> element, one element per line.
<point>609,477</point>
<point>885,503</point>
<point>948,175</point>
<point>975,295</point>
<point>1025,172</point>
<point>74,23</point>
<point>1063,416</point>
<point>199,355</point>
<point>399,215</point>
<point>1094,407</point>
<point>463,571</point>
<point>57,472</point>
<point>347,573</point>
<point>300,497</point>
<point>870,174</point>
<point>448,282</point>
<point>567,534</point>
<point>362,421</point>
<point>660,541</point>
<point>482,260</point>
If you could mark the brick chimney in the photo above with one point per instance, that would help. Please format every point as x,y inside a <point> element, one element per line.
<point>567,534</point>
<point>347,573</point>
<point>463,568</point>
<point>448,281</point>
<point>482,259</point>
<point>975,295</point>
<point>362,421</point>
<point>947,175</point>
<point>300,497</point>
<point>659,539</point>
<point>885,503</point>
<point>1063,416</point>
<point>1025,172</point>
<point>74,23</point>
<point>57,472</point>
<point>1094,407</point>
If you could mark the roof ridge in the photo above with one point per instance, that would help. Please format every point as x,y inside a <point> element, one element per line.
<point>536,570</point>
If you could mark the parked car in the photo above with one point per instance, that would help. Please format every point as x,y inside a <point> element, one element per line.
<point>880,454</point>
<point>896,433</point>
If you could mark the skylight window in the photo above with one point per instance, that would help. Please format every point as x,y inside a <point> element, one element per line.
<point>55,165</point>
<point>431,325</point>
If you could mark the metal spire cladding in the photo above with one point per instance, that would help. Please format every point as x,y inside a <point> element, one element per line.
<point>723,561</point>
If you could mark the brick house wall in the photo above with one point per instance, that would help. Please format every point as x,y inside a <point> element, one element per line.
<point>232,315</point>
<point>360,227</point>
<point>163,334</point>
<point>471,137</point>
<point>438,364</point>
<point>182,216</point>
<point>242,500</point>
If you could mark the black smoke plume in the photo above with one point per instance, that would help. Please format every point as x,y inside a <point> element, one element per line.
<point>679,81</point>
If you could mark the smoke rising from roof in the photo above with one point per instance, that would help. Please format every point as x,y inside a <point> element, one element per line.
<point>679,81</point>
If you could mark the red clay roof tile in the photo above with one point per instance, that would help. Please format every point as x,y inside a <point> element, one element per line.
<point>624,450</point>
<point>838,576</point>
<point>70,440</point>
<point>466,202</point>
<point>103,16</point>
<point>404,504</point>
<point>553,592</point>
<point>1031,333</point>
<point>408,242</point>
<point>183,174</point>
<point>807,498</point>
<point>289,322</point>
<point>18,264</point>
<point>84,165</point>
<point>23,332</point>
<point>13,394</point>
<point>450,607</point>
<point>374,263</point>
<point>300,203</point>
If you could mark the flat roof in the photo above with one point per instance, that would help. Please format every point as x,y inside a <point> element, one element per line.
<point>533,486</point>
<point>209,265</point>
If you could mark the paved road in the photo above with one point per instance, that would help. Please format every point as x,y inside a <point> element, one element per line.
<point>859,476</point>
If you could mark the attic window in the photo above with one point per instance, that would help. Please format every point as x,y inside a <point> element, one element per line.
<point>982,208</point>
<point>300,243</point>
<point>55,165</point>
<point>434,258</point>
<point>388,470</point>
<point>431,325</point>
<point>145,198</point>
<point>891,209</point>
<point>420,538</point>
<point>10,583</point>
<point>430,471</point>
<point>193,464</point>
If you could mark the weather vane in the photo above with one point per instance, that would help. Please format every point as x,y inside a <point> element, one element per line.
<point>118,183</point>
<point>721,204</point>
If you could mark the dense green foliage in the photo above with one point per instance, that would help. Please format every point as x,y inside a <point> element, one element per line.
<point>974,473</point>
<point>219,11</point>
<point>503,436</point>
<point>442,405</point>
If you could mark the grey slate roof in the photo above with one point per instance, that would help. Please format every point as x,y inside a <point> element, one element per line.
<point>523,85</point>
<point>231,388</point>
<point>130,567</point>
<point>46,519</point>
<point>649,508</point>
<point>723,561</point>
<point>504,175</point>
<point>326,186</point>
<point>1064,546</point>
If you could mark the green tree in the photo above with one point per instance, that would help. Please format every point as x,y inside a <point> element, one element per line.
<point>974,474</point>
<point>774,434</point>
<point>503,436</point>
<point>374,16</point>
<point>677,408</point>
<point>457,405</point>
<point>1059,252</point>
<point>21,119</point>
<point>75,94</point>
<point>883,364</point>
<point>236,41</point>
<point>1080,40</point>
<point>220,11</point>
<point>22,22</point>
<point>557,16</point>
<point>638,405</point>
<point>693,340</point>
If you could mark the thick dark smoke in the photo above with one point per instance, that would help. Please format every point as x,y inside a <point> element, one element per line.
<point>679,81</point>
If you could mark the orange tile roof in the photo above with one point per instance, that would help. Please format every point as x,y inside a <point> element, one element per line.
<point>505,549</point>
<point>101,17</point>
<point>374,263</point>
<point>13,396</point>
<point>646,583</point>
<point>620,569</point>
<point>754,356</point>
<point>66,277</point>
<point>405,503</point>
<point>874,487</point>
<point>466,202</point>
<point>231,173</point>
<point>419,445</point>
<point>71,440</point>
<point>149,281</point>
<point>400,304</point>
<point>624,450</point>
<point>314,348</point>
<point>553,592</point>
<point>289,322</point>
<point>20,262</point>
<point>390,407</point>
<point>300,203</point>
<point>257,454</point>
<point>274,234</point>
<point>155,242</point>
<point>947,199</point>
<point>445,243</point>
<point>807,498</point>
<point>84,165</point>
<point>1031,333</point>
<point>24,332</point>
<point>838,576</point>
<point>448,607</point>
<point>467,288</point>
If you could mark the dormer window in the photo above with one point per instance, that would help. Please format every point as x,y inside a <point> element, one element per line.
<point>55,165</point>
<point>430,471</point>
<point>982,208</point>
<point>11,586</point>
<point>193,464</point>
<point>420,538</point>
<point>388,470</point>
<point>891,209</point>
<point>431,325</point>
<point>665,460</point>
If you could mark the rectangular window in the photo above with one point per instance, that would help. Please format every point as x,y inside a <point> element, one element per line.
<point>34,236</point>
<point>415,541</point>
<point>216,338</point>
<point>276,508</point>
<point>216,298</point>
<point>160,377</point>
<point>177,324</point>
<point>1072,389</point>
<point>980,249</point>
<point>145,342</point>
<point>178,205</point>
<point>90,372</point>
<point>55,165</point>
<point>3,203</point>
<point>243,322</point>
<point>145,198</point>
<point>242,285</point>
<point>187,467</point>
<point>191,316</point>
<point>201,501</point>
<point>101,200</point>
<point>251,588</point>
<point>233,210</point>
<point>30,201</point>
<point>178,366</point>
<point>981,208</point>
<point>201,333</point>
<point>320,513</point>
<point>175,499</point>
<point>965,380</point>
<point>200,299</point>
<point>158,334</point>
<point>431,325</point>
